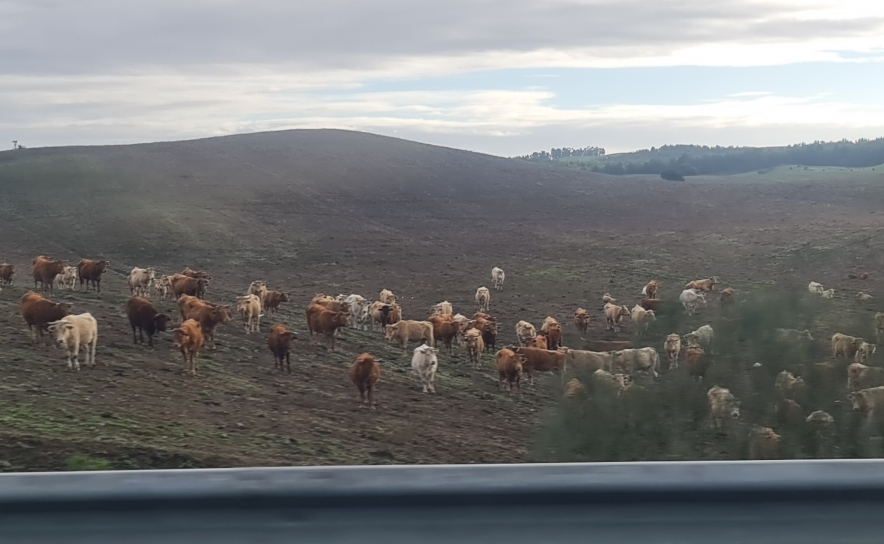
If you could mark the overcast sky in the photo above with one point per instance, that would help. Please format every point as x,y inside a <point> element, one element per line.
<point>500,76</point>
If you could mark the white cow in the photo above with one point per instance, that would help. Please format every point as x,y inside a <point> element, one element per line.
<point>702,337</point>
<point>525,331</point>
<point>73,332</point>
<point>498,277</point>
<point>692,299</point>
<point>359,311</point>
<point>140,280</point>
<point>443,308</point>
<point>425,364</point>
<point>633,360</point>
<point>67,278</point>
<point>642,318</point>
<point>828,293</point>
<point>163,285</point>
<point>815,288</point>
<point>483,299</point>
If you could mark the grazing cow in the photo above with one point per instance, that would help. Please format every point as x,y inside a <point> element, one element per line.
<point>326,323</point>
<point>828,293</point>
<point>144,318</point>
<point>68,278</point>
<point>815,288</point>
<point>387,297</point>
<point>509,369</point>
<point>90,272</point>
<point>789,413</point>
<point>525,331</point>
<point>444,329</point>
<point>634,360</point>
<point>163,286</point>
<point>475,345</point>
<point>794,336</point>
<point>140,280</point>
<point>860,376</point>
<point>38,312</point>
<point>866,401</point>
<point>614,315</point>
<point>728,296</point>
<point>654,304</point>
<point>613,383</point>
<point>188,339</point>
<point>672,346</point>
<point>538,341</point>
<point>249,308</point>
<point>609,345</point>
<point>642,319</point>
<point>73,332</point>
<point>702,337</point>
<point>405,331</point>
<point>581,321</point>
<point>425,364</point>
<point>45,271</point>
<point>281,342</point>
<point>483,299</point>
<point>704,286</point>
<point>191,273</point>
<point>696,362</point>
<point>764,443</point>
<point>443,308</point>
<point>207,314</point>
<point>365,373</point>
<point>7,272</point>
<point>848,346</point>
<point>722,406</point>
<point>651,290</point>
<point>607,298</point>
<point>580,360</point>
<point>790,386</point>
<point>184,285</point>
<point>272,300</point>
<point>540,360</point>
<point>497,278</point>
<point>863,297</point>
<point>691,300</point>
<point>574,389</point>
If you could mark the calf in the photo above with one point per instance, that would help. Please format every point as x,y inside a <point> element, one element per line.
<point>90,272</point>
<point>140,280</point>
<point>45,270</point>
<point>188,339</point>
<point>249,308</point>
<point>143,317</point>
<point>73,332</point>
<point>642,318</point>
<point>847,346</point>
<point>425,364</point>
<point>445,329</point>
<point>259,289</point>
<point>7,272</point>
<point>581,321</point>
<point>509,369</point>
<point>633,360</point>
<point>672,346</point>
<point>722,405</point>
<point>281,341</point>
<point>475,346</point>
<point>607,298</point>
<point>38,312</point>
<point>163,286</point>
<point>815,288</point>
<point>483,299</point>
<point>497,278</point>
<point>614,315</point>
<point>828,294</point>
<point>365,373</point>
<point>272,300</point>
<point>68,278</point>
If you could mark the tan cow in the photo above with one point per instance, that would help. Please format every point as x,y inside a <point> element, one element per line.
<point>860,376</point>
<point>722,406</point>
<point>258,288</point>
<point>614,315</point>
<point>475,345</point>
<point>607,298</point>
<point>789,386</point>
<point>525,331</point>
<point>498,277</point>
<point>672,346</point>
<point>188,339</point>
<point>405,331</point>
<point>483,299</point>
<point>580,360</point>
<point>249,308</point>
<point>73,332</point>
<point>764,443</point>
<point>705,286</point>
<point>443,308</point>
<point>844,345</point>
<point>581,321</point>
<point>642,318</point>
<point>651,290</point>
<point>863,297</point>
<point>635,360</point>
<point>387,297</point>
<point>866,401</point>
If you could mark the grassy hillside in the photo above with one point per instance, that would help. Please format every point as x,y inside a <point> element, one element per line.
<point>341,212</point>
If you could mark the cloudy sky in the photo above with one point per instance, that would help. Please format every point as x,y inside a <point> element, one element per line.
<point>500,76</point>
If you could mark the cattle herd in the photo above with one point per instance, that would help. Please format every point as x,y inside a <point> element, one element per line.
<point>613,364</point>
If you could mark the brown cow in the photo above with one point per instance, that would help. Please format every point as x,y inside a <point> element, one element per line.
<point>90,272</point>
<point>184,285</point>
<point>365,373</point>
<point>553,335</point>
<point>143,317</point>
<point>654,304</point>
<point>651,290</point>
<point>609,345</point>
<point>444,329</point>
<point>538,341</point>
<point>764,443</point>
<point>697,362</point>
<point>581,321</point>
<point>728,296</point>
<point>189,340</point>
<point>45,270</point>
<point>7,271</point>
<point>326,322</point>
<point>281,341</point>
<point>272,300</point>
<point>190,273</point>
<point>540,360</point>
<point>509,368</point>
<point>38,312</point>
<point>207,314</point>
<point>789,413</point>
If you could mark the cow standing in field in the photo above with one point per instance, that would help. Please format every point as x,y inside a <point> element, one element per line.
<point>692,299</point>
<point>326,322</point>
<point>249,308</point>
<point>140,280</point>
<point>703,337</point>
<point>405,331</point>
<point>7,273</point>
<point>581,321</point>
<point>144,318</point>
<point>188,339</point>
<point>860,376</point>
<point>73,332</point>
<point>614,315</point>
<point>208,315</point>
<point>191,273</point>
<point>580,360</point>
<point>696,362</point>
<point>722,406</point>
<point>185,285</point>
<point>442,308</point>
<point>525,332</point>
<point>475,345</point>
<point>540,360</point>
<point>163,286</point>
<point>280,342</point>
<point>425,364</point>
<point>45,270</point>
<point>483,299</point>
<point>272,300</point>
<point>387,296</point>
<point>497,278</point>
<point>847,346</point>
<point>642,319</point>
<point>867,401</point>
<point>68,278</point>
<point>634,360</point>
<point>90,273</point>
<point>38,312</point>
<point>365,374</point>
<point>509,369</point>
<point>672,346</point>
<point>259,289</point>
<point>445,329</point>
<point>704,286</point>
<point>651,290</point>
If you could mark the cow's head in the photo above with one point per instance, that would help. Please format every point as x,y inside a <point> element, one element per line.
<point>160,322</point>
<point>60,330</point>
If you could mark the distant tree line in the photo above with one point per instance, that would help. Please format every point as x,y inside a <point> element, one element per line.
<point>563,153</point>
<point>692,160</point>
